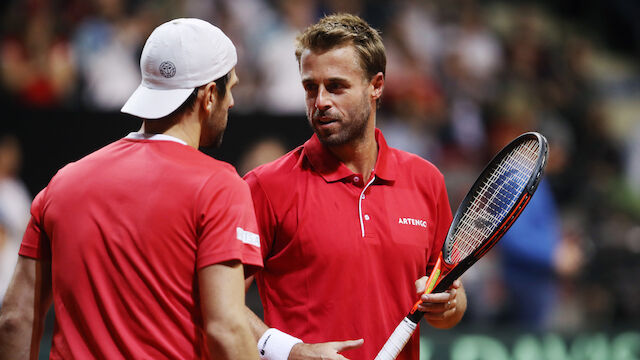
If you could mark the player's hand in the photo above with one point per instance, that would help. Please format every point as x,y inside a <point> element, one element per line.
<point>324,351</point>
<point>438,307</point>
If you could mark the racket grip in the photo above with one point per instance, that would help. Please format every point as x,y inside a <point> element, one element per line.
<point>397,340</point>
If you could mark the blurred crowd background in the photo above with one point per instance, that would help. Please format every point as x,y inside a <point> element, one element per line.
<point>463,78</point>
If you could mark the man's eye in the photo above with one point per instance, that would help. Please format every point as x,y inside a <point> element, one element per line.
<point>335,87</point>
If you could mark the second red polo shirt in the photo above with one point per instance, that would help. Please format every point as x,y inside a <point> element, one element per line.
<point>341,253</point>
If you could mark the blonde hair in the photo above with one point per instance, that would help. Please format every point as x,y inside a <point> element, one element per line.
<point>343,29</point>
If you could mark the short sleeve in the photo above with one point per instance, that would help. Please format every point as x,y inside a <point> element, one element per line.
<point>226,224</point>
<point>264,213</point>
<point>35,242</point>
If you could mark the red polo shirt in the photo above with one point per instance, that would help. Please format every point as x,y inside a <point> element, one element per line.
<point>126,230</point>
<point>341,253</point>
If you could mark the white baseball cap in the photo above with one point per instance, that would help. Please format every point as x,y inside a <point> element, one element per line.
<point>179,56</point>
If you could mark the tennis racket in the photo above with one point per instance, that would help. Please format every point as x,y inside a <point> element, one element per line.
<point>494,202</point>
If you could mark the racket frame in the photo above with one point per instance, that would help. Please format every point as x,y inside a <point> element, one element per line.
<point>452,272</point>
<point>458,268</point>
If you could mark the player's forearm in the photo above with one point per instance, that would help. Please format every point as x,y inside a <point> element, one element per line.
<point>225,322</point>
<point>16,333</point>
<point>257,326</point>
<point>231,339</point>
<point>275,344</point>
<point>23,310</point>
<point>15,336</point>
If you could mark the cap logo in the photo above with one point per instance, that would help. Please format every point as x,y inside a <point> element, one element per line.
<point>167,69</point>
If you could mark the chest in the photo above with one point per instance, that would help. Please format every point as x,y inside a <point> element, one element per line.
<point>341,222</point>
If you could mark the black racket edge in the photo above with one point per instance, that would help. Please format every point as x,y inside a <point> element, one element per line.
<point>445,282</point>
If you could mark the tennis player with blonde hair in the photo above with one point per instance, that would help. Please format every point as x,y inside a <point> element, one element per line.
<point>347,223</point>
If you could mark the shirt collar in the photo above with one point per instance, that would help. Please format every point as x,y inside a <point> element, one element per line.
<point>155,137</point>
<point>331,169</point>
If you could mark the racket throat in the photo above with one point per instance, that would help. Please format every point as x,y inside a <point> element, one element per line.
<point>431,282</point>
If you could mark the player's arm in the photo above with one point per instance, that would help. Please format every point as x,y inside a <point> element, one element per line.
<point>443,310</point>
<point>257,326</point>
<point>24,308</point>
<point>222,299</point>
<point>276,345</point>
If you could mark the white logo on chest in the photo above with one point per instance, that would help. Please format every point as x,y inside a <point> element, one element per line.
<point>413,222</point>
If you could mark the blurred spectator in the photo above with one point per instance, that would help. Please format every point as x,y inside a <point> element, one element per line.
<point>477,54</point>
<point>413,105</point>
<point>534,256</point>
<point>633,160</point>
<point>244,21</point>
<point>36,59</point>
<point>15,202</point>
<point>416,25</point>
<point>106,45</point>
<point>281,90</point>
<point>470,65</point>
<point>411,133</point>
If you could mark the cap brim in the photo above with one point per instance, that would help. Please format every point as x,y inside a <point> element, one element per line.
<point>154,103</point>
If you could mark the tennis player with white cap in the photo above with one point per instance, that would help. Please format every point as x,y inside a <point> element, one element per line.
<point>143,245</point>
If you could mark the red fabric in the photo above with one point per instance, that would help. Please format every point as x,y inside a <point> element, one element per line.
<point>126,229</point>
<point>322,280</point>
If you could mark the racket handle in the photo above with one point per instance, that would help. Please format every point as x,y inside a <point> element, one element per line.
<point>397,340</point>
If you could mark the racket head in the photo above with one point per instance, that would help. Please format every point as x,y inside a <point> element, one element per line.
<point>493,203</point>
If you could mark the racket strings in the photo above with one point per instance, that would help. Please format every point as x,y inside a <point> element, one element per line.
<point>493,200</point>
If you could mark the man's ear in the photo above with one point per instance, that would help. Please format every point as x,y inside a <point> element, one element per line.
<point>209,93</point>
<point>377,81</point>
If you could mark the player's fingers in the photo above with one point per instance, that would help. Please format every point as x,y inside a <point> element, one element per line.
<point>421,284</point>
<point>441,315</point>
<point>437,307</point>
<point>452,293</point>
<point>341,346</point>
<point>436,298</point>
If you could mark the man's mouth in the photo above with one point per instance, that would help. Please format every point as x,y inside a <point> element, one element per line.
<point>324,120</point>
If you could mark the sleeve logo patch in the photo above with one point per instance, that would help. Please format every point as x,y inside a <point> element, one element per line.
<point>247,237</point>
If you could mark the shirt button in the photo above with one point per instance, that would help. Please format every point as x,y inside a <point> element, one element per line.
<point>356,179</point>
<point>362,197</point>
<point>366,217</point>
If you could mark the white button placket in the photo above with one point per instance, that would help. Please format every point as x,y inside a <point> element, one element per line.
<point>360,198</point>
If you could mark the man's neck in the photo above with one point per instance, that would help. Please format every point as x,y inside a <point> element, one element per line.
<point>186,129</point>
<point>360,155</point>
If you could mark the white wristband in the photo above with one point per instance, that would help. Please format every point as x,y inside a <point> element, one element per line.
<point>276,345</point>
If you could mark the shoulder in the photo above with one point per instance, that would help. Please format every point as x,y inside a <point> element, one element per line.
<point>107,151</point>
<point>224,175</point>
<point>410,164</point>
<point>85,162</point>
<point>215,176</point>
<point>279,170</point>
<point>419,174</point>
<point>163,159</point>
